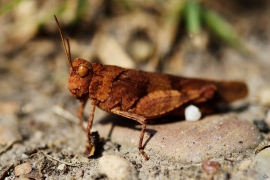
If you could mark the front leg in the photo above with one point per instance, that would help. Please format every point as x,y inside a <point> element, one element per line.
<point>80,114</point>
<point>90,148</point>
<point>141,120</point>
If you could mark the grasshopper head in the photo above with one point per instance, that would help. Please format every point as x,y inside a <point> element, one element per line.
<point>80,72</point>
<point>80,76</point>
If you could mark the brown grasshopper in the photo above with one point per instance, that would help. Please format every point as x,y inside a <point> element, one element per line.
<point>142,96</point>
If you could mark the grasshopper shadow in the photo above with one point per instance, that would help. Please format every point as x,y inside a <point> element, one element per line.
<point>116,120</point>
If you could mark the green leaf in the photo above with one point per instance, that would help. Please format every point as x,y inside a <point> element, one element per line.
<point>222,29</point>
<point>192,16</point>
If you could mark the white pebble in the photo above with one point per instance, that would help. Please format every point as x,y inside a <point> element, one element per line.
<point>62,167</point>
<point>192,113</point>
<point>25,156</point>
<point>115,167</point>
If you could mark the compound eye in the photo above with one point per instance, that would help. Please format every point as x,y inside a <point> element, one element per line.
<point>83,71</point>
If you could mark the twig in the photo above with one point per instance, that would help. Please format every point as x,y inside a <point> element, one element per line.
<point>5,171</point>
<point>6,147</point>
<point>230,160</point>
<point>52,158</point>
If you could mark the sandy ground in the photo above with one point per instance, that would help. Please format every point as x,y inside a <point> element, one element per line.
<point>38,122</point>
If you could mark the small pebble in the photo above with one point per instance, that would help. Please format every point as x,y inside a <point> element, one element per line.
<point>25,156</point>
<point>264,96</point>
<point>21,169</point>
<point>62,167</point>
<point>261,163</point>
<point>261,125</point>
<point>192,113</point>
<point>210,167</point>
<point>244,165</point>
<point>115,167</point>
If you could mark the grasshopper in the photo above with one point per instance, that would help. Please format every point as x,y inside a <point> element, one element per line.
<point>139,95</point>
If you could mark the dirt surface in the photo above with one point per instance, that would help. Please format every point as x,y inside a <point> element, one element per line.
<point>38,124</point>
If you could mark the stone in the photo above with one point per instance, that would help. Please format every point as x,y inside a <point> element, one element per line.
<point>187,142</point>
<point>261,163</point>
<point>22,169</point>
<point>210,167</point>
<point>115,167</point>
<point>24,156</point>
<point>62,167</point>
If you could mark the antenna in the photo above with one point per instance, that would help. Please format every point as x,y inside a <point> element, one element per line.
<point>66,48</point>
